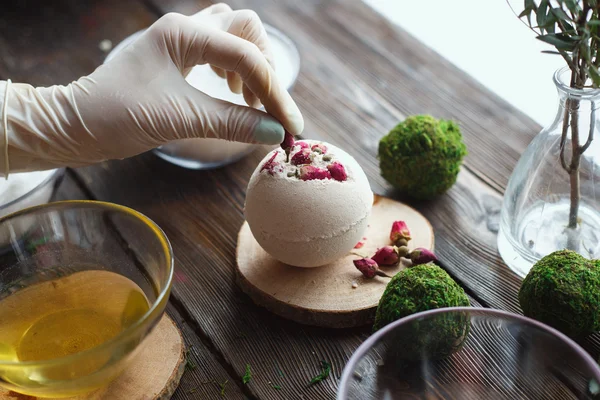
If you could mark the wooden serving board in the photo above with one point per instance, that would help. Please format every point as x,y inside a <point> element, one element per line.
<point>335,295</point>
<point>154,373</point>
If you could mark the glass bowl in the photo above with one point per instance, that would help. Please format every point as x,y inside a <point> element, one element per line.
<point>209,153</point>
<point>87,280</point>
<point>28,189</point>
<point>469,353</point>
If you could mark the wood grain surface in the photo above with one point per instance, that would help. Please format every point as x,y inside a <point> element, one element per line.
<point>360,75</point>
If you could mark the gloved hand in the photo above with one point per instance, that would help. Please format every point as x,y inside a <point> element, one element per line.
<point>140,100</point>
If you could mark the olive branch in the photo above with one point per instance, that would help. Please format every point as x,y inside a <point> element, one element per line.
<point>572,27</point>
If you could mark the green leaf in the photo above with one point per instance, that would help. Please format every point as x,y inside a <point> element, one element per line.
<point>594,22</point>
<point>593,72</point>
<point>560,14</point>
<point>550,52</point>
<point>530,4</point>
<point>573,6</point>
<point>561,42</point>
<point>541,14</point>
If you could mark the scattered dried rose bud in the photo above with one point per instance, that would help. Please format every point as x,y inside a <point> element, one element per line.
<point>421,255</point>
<point>270,164</point>
<point>403,251</point>
<point>302,157</point>
<point>319,148</point>
<point>288,141</point>
<point>387,256</point>
<point>310,172</point>
<point>338,172</point>
<point>302,145</point>
<point>399,231</point>
<point>369,268</point>
<point>402,243</point>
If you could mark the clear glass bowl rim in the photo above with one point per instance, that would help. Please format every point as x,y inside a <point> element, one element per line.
<point>161,299</point>
<point>52,178</point>
<point>371,340</point>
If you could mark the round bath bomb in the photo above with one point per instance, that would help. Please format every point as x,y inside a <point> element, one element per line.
<point>421,288</point>
<point>563,290</point>
<point>421,156</point>
<point>311,207</point>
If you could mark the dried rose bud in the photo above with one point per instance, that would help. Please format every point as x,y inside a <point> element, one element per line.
<point>387,256</point>
<point>338,172</point>
<point>302,157</point>
<point>310,172</point>
<point>319,148</point>
<point>302,145</point>
<point>369,268</point>
<point>270,164</point>
<point>288,141</point>
<point>421,255</point>
<point>399,231</point>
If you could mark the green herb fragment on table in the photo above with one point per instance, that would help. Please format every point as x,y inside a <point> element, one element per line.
<point>325,371</point>
<point>276,387</point>
<point>421,156</point>
<point>248,375</point>
<point>190,365</point>
<point>222,386</point>
<point>563,291</point>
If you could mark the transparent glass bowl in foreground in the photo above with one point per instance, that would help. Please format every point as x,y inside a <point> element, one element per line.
<point>56,240</point>
<point>469,353</point>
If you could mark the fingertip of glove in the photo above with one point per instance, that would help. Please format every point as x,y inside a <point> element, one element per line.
<point>268,131</point>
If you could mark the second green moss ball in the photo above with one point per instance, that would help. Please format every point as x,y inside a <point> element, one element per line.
<point>563,291</point>
<point>421,156</point>
<point>420,288</point>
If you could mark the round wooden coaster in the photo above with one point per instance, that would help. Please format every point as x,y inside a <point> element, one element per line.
<point>153,374</point>
<point>334,295</point>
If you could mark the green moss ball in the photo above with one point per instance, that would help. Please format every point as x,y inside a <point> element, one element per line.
<point>563,290</point>
<point>421,288</point>
<point>421,156</point>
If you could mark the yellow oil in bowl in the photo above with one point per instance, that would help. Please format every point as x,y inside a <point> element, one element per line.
<point>63,317</point>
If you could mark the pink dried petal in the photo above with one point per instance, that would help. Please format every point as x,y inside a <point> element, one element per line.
<point>338,172</point>
<point>270,164</point>
<point>359,245</point>
<point>288,141</point>
<point>367,267</point>
<point>319,148</point>
<point>387,256</point>
<point>302,157</point>
<point>399,231</point>
<point>421,255</point>
<point>310,172</point>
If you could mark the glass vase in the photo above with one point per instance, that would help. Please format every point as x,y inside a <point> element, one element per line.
<point>552,201</point>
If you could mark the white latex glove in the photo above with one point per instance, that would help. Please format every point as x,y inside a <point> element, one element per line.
<point>140,100</point>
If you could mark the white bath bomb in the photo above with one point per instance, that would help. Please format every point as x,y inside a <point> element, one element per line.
<point>312,209</point>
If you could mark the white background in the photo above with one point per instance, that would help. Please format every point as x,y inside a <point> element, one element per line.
<point>485,39</point>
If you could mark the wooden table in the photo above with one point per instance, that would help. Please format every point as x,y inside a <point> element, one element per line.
<point>360,75</point>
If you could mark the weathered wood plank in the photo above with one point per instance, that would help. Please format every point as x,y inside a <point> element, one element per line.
<point>56,42</point>
<point>204,377</point>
